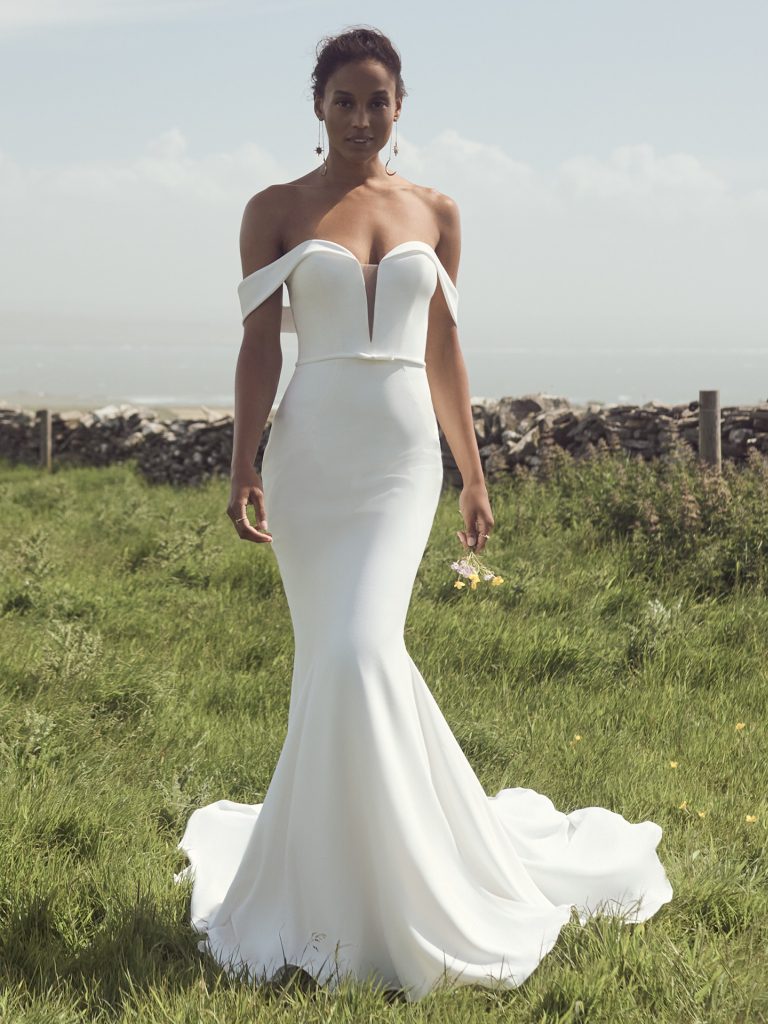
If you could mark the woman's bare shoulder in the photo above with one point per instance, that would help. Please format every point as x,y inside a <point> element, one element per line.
<point>261,229</point>
<point>442,208</point>
<point>443,212</point>
<point>268,205</point>
<point>269,214</point>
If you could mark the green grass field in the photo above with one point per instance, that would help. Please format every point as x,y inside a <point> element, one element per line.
<point>145,660</point>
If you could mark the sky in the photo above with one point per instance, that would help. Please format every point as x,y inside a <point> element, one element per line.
<point>608,157</point>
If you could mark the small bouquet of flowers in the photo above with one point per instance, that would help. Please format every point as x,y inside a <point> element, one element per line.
<point>472,570</point>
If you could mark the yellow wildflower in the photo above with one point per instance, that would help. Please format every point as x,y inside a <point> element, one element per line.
<point>701,813</point>
<point>740,726</point>
<point>750,818</point>
<point>459,584</point>
<point>472,569</point>
<point>577,736</point>
<point>683,806</point>
<point>673,764</point>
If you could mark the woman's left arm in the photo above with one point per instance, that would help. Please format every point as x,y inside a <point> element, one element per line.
<point>449,387</point>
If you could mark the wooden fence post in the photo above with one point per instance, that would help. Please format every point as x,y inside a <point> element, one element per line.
<point>46,438</point>
<point>709,429</point>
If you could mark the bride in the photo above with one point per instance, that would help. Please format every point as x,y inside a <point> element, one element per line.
<point>376,852</point>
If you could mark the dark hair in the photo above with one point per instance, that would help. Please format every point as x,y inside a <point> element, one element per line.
<point>355,44</point>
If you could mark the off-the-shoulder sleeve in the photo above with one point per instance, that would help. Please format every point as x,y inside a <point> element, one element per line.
<point>450,291</point>
<point>258,286</point>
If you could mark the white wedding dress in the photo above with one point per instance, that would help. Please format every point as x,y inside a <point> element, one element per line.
<point>376,851</point>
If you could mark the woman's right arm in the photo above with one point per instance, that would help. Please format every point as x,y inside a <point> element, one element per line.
<point>258,367</point>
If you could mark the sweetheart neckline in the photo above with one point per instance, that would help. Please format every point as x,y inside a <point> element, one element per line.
<point>348,252</point>
<point>294,255</point>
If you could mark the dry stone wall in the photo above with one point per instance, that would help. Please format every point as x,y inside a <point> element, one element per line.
<point>511,432</point>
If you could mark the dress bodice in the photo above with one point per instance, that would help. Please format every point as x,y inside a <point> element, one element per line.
<point>332,293</point>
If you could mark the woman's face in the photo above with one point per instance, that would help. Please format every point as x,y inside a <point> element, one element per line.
<point>359,102</point>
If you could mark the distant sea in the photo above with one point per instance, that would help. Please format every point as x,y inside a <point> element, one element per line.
<point>88,375</point>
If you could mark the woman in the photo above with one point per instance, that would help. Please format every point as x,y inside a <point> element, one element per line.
<point>376,851</point>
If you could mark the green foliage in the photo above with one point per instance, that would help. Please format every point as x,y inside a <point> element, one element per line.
<point>145,669</point>
<point>678,516</point>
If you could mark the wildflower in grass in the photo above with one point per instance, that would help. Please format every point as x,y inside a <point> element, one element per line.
<point>471,568</point>
<point>701,813</point>
<point>740,726</point>
<point>683,806</point>
<point>463,568</point>
<point>673,764</point>
<point>577,737</point>
<point>750,818</point>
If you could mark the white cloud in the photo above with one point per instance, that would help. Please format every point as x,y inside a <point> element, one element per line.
<point>167,173</point>
<point>637,170</point>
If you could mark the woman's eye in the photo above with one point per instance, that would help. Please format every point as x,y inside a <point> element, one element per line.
<point>381,102</point>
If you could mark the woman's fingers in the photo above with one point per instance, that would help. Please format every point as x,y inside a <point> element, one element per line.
<point>247,532</point>
<point>257,498</point>
<point>483,531</point>
<point>238,513</point>
<point>476,533</point>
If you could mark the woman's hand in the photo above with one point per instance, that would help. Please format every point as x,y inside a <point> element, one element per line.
<point>475,507</point>
<point>247,489</point>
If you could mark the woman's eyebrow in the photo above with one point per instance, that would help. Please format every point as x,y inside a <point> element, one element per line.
<point>345,92</point>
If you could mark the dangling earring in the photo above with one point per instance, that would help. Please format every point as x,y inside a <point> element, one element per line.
<point>319,147</point>
<point>386,165</point>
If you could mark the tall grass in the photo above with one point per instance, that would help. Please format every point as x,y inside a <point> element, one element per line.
<point>145,663</point>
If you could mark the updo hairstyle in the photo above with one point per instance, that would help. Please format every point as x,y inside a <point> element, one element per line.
<point>354,45</point>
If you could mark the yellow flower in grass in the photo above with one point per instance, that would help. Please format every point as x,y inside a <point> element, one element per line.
<point>496,580</point>
<point>683,806</point>
<point>673,764</point>
<point>458,584</point>
<point>577,737</point>
<point>701,814</point>
<point>750,818</point>
<point>740,726</point>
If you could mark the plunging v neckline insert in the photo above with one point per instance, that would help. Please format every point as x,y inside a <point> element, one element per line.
<point>370,279</point>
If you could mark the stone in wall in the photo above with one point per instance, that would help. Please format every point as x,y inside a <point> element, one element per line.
<point>512,434</point>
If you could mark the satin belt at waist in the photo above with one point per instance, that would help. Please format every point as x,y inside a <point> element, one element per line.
<point>380,356</point>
